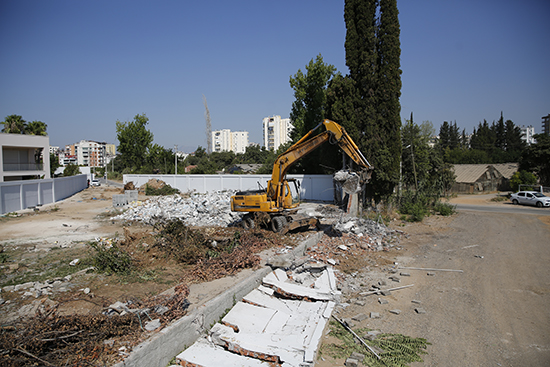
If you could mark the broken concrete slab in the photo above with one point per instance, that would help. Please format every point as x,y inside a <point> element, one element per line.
<point>324,290</point>
<point>273,329</point>
<point>206,354</point>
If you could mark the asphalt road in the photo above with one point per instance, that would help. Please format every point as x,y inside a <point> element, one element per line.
<point>504,208</point>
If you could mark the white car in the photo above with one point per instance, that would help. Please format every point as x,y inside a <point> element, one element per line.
<point>530,198</point>
<point>95,182</point>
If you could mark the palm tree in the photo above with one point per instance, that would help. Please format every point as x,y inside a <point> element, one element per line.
<point>14,124</point>
<point>36,128</point>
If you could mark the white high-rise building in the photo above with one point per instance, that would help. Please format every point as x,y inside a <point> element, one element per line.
<point>276,131</point>
<point>527,134</point>
<point>226,140</point>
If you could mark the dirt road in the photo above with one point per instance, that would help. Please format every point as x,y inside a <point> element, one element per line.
<point>495,313</point>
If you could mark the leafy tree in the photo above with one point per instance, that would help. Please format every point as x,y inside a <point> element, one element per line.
<point>159,160</point>
<point>54,164</point>
<point>253,155</point>
<point>522,178</point>
<point>36,128</point>
<point>309,107</point>
<point>14,124</point>
<point>71,170</point>
<point>134,142</point>
<point>536,158</point>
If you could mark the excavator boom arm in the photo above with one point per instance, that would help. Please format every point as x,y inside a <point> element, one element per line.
<point>306,145</point>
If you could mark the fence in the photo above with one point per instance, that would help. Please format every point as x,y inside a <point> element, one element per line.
<point>539,188</point>
<point>312,187</point>
<point>18,195</point>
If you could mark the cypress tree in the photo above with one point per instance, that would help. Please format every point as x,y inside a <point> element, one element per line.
<point>373,54</point>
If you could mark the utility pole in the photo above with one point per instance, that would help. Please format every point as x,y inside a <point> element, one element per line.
<point>176,158</point>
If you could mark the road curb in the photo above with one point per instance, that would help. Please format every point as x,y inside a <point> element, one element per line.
<point>159,349</point>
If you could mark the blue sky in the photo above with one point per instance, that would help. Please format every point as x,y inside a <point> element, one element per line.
<point>80,66</point>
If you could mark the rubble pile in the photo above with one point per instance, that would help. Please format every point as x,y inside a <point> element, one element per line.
<point>211,209</point>
<point>352,238</point>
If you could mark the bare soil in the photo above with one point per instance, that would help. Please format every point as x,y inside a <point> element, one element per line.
<point>494,313</point>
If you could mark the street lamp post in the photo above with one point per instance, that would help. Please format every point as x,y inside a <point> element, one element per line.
<point>176,158</point>
<point>414,167</point>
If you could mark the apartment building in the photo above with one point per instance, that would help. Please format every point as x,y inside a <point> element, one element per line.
<point>276,131</point>
<point>88,153</point>
<point>227,140</point>
<point>546,124</point>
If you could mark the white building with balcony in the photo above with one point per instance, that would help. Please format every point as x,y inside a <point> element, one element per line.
<point>88,153</point>
<point>276,131</point>
<point>226,140</point>
<point>24,157</point>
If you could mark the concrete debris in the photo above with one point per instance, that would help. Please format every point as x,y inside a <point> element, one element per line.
<point>211,209</point>
<point>152,325</point>
<point>280,322</point>
<point>348,181</point>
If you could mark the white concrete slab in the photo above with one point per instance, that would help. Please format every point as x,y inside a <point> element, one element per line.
<point>291,333</point>
<point>205,354</point>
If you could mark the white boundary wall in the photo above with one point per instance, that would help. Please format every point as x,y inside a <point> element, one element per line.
<point>312,187</point>
<point>18,195</point>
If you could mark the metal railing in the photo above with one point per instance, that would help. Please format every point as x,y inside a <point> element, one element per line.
<point>23,167</point>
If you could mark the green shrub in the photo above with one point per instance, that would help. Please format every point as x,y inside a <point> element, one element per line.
<point>111,260</point>
<point>164,190</point>
<point>445,209</point>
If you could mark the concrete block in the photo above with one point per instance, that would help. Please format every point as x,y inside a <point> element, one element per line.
<point>120,200</point>
<point>374,315</point>
<point>383,301</point>
<point>351,362</point>
<point>131,195</point>
<point>396,312</point>
<point>360,317</point>
<point>420,310</point>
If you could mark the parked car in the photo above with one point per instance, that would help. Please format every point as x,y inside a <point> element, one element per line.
<point>95,182</point>
<point>530,198</point>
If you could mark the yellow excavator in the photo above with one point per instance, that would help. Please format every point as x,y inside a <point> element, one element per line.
<point>276,200</point>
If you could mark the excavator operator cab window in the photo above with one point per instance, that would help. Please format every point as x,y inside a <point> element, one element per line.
<point>295,192</point>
